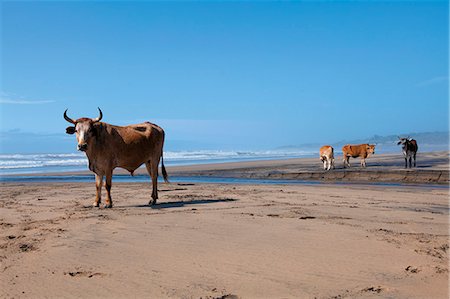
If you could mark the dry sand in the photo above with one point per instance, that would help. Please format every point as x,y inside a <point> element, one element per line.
<point>224,241</point>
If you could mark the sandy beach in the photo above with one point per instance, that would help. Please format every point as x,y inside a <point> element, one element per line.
<point>231,240</point>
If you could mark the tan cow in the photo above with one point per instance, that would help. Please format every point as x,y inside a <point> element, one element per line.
<point>108,146</point>
<point>361,150</point>
<point>327,156</point>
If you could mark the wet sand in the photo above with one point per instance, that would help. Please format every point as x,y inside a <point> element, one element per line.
<point>432,168</point>
<point>225,240</point>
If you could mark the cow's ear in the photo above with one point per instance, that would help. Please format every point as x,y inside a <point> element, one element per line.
<point>70,130</point>
<point>398,143</point>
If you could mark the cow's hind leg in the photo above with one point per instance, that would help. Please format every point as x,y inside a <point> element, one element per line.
<point>414,159</point>
<point>98,186</point>
<point>108,203</point>
<point>152,169</point>
<point>410,161</point>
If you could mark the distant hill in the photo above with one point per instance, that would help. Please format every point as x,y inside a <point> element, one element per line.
<point>427,141</point>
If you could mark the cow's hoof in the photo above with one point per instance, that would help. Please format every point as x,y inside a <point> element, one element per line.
<point>152,202</point>
<point>95,204</point>
<point>108,206</point>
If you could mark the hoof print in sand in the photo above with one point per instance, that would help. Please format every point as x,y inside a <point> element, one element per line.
<point>307,217</point>
<point>26,247</point>
<point>227,296</point>
<point>372,290</point>
<point>411,269</point>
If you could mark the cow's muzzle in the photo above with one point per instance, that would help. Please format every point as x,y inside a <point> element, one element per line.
<point>82,147</point>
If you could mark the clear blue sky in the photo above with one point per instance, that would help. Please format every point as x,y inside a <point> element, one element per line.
<point>231,75</point>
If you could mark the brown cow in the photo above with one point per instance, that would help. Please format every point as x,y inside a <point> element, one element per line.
<point>107,147</point>
<point>327,156</point>
<point>361,150</point>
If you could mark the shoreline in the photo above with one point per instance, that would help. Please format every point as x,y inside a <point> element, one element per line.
<point>432,168</point>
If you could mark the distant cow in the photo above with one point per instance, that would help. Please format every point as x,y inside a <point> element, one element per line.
<point>327,156</point>
<point>409,149</point>
<point>107,147</point>
<point>361,150</point>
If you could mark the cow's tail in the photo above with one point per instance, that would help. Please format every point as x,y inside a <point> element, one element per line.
<point>163,170</point>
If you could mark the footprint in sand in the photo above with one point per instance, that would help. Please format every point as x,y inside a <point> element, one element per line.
<point>87,274</point>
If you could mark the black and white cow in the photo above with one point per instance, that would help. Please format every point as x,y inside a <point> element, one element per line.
<point>409,149</point>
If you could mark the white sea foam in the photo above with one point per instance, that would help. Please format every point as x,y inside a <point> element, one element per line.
<point>214,155</point>
<point>17,161</point>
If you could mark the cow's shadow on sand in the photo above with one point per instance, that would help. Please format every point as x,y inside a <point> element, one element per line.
<point>180,204</point>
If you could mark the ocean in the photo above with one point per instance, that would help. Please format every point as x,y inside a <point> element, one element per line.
<point>15,164</point>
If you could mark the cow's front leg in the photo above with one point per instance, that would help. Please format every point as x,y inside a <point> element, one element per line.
<point>98,186</point>
<point>108,203</point>
<point>414,160</point>
<point>410,161</point>
<point>346,162</point>
<point>154,171</point>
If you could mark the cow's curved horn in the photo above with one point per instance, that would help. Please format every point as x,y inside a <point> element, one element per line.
<point>68,118</point>
<point>99,117</point>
